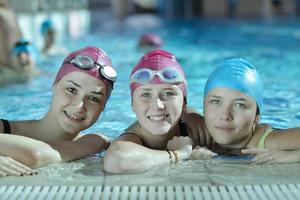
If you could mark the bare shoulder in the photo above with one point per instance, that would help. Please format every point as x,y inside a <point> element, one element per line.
<point>103,136</point>
<point>93,135</point>
<point>134,128</point>
<point>132,133</point>
<point>280,139</point>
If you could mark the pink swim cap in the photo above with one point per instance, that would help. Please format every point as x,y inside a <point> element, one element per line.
<point>96,54</point>
<point>157,60</point>
<point>150,39</point>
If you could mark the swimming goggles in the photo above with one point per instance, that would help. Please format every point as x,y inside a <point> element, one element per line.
<point>22,43</point>
<point>85,62</point>
<point>169,75</point>
<point>24,46</point>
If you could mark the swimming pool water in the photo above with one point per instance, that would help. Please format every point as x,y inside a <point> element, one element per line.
<point>272,46</point>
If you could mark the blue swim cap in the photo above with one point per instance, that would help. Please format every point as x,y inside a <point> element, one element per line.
<point>24,45</point>
<point>237,74</point>
<point>46,25</point>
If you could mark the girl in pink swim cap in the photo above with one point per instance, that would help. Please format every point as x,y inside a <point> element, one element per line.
<point>92,61</point>
<point>150,40</point>
<point>80,91</point>
<point>160,134</point>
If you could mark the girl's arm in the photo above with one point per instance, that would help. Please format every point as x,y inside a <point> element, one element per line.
<point>35,153</point>
<point>281,146</point>
<point>30,152</point>
<point>196,128</point>
<point>261,156</point>
<point>81,147</point>
<point>286,139</point>
<point>131,156</point>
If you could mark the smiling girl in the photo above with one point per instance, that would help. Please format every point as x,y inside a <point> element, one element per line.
<point>80,91</point>
<point>159,136</point>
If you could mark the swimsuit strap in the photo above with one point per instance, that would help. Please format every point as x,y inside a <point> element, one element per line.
<point>261,142</point>
<point>6,126</point>
<point>182,128</point>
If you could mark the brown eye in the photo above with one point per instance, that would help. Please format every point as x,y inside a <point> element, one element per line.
<point>71,90</point>
<point>94,99</point>
<point>240,105</point>
<point>145,94</point>
<point>167,94</point>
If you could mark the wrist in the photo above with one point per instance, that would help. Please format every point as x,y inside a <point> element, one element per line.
<point>182,155</point>
<point>173,157</point>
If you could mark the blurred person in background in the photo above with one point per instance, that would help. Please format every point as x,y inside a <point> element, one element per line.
<point>22,65</point>
<point>150,41</point>
<point>17,55</point>
<point>10,32</point>
<point>49,34</point>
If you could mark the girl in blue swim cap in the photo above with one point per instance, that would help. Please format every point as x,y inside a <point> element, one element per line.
<point>233,97</point>
<point>24,56</point>
<point>50,35</point>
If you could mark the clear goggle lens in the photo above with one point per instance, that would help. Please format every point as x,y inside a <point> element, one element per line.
<point>169,75</point>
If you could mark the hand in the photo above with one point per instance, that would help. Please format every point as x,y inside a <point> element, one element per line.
<point>202,153</point>
<point>180,142</point>
<point>182,145</point>
<point>11,167</point>
<point>270,156</point>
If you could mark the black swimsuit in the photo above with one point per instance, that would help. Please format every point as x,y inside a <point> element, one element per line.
<point>182,128</point>
<point>6,126</point>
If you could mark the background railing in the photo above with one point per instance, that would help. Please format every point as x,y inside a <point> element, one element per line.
<point>47,5</point>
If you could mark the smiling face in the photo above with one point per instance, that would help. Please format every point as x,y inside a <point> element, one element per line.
<point>158,107</point>
<point>78,101</point>
<point>229,116</point>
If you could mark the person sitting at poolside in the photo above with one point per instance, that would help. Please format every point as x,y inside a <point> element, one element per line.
<point>158,91</point>
<point>233,98</point>
<point>49,34</point>
<point>10,32</point>
<point>150,41</point>
<point>22,66</point>
<point>81,89</point>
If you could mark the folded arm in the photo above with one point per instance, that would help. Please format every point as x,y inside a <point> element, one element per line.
<point>281,146</point>
<point>81,147</point>
<point>131,156</point>
<point>30,152</point>
<point>261,156</point>
<point>35,153</point>
<point>196,127</point>
<point>285,139</point>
